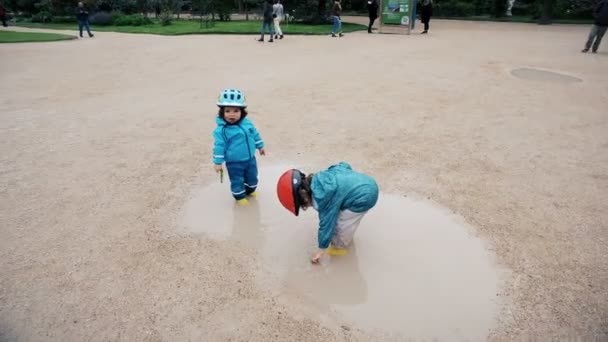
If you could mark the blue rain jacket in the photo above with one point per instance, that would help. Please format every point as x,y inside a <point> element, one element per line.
<point>235,143</point>
<point>339,188</point>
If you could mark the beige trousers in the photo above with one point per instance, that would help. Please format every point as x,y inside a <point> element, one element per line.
<point>277,27</point>
<point>347,225</point>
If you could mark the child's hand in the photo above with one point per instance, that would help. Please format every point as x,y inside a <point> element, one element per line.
<point>218,168</point>
<point>317,256</point>
<point>262,151</point>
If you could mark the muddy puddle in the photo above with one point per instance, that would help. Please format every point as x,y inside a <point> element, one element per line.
<point>415,269</point>
<point>532,74</point>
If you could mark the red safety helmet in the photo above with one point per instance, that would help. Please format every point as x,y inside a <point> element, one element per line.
<point>287,190</point>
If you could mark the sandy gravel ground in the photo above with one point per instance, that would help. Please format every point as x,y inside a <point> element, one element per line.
<point>103,138</point>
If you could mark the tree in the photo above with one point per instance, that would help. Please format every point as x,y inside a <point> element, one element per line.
<point>547,9</point>
<point>246,6</point>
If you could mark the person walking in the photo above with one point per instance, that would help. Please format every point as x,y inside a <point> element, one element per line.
<point>599,27</point>
<point>277,15</point>
<point>336,27</point>
<point>267,23</point>
<point>372,11</point>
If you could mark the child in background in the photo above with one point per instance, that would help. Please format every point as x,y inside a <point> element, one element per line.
<point>235,142</point>
<point>336,27</point>
<point>341,196</point>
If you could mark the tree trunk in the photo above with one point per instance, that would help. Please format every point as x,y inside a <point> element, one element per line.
<point>545,18</point>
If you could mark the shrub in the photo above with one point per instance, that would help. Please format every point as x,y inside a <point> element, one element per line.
<point>499,8</point>
<point>64,19</point>
<point>223,10</point>
<point>574,9</point>
<point>308,11</point>
<point>455,9</point>
<point>482,6</point>
<point>131,20</point>
<point>101,18</point>
<point>166,17</point>
<point>42,17</point>
<point>125,6</point>
<point>45,10</point>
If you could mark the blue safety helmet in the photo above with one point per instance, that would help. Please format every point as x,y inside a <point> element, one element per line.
<point>231,98</point>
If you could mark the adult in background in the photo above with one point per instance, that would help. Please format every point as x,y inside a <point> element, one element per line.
<point>372,11</point>
<point>599,27</point>
<point>277,15</point>
<point>426,11</point>
<point>267,23</point>
<point>82,15</point>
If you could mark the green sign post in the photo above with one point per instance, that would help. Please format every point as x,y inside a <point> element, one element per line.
<point>397,12</point>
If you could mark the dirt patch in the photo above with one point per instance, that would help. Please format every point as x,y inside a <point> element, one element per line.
<point>104,138</point>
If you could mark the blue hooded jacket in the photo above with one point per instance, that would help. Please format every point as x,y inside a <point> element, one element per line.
<point>235,142</point>
<point>339,188</point>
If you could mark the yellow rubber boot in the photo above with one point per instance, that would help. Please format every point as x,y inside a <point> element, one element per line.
<point>243,202</point>
<point>254,194</point>
<point>337,251</point>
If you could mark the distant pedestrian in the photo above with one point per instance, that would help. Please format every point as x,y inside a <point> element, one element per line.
<point>372,11</point>
<point>82,15</point>
<point>599,27</point>
<point>267,23</point>
<point>277,16</point>
<point>426,12</point>
<point>336,21</point>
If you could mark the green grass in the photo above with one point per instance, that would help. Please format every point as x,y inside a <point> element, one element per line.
<point>517,19</point>
<point>181,27</point>
<point>26,37</point>
<point>487,17</point>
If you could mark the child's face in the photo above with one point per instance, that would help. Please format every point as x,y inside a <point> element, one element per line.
<point>232,114</point>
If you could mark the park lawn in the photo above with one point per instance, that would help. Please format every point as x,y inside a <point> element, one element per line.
<point>181,27</point>
<point>519,19</point>
<point>26,37</point>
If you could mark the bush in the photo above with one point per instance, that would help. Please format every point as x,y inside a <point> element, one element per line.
<point>223,10</point>
<point>131,20</point>
<point>308,11</point>
<point>499,8</point>
<point>524,9</point>
<point>125,6</point>
<point>574,9</point>
<point>101,18</point>
<point>45,12</point>
<point>64,19</point>
<point>482,6</point>
<point>42,17</point>
<point>454,9</point>
<point>166,17</point>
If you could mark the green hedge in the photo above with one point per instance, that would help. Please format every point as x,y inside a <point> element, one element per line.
<point>454,9</point>
<point>131,20</point>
